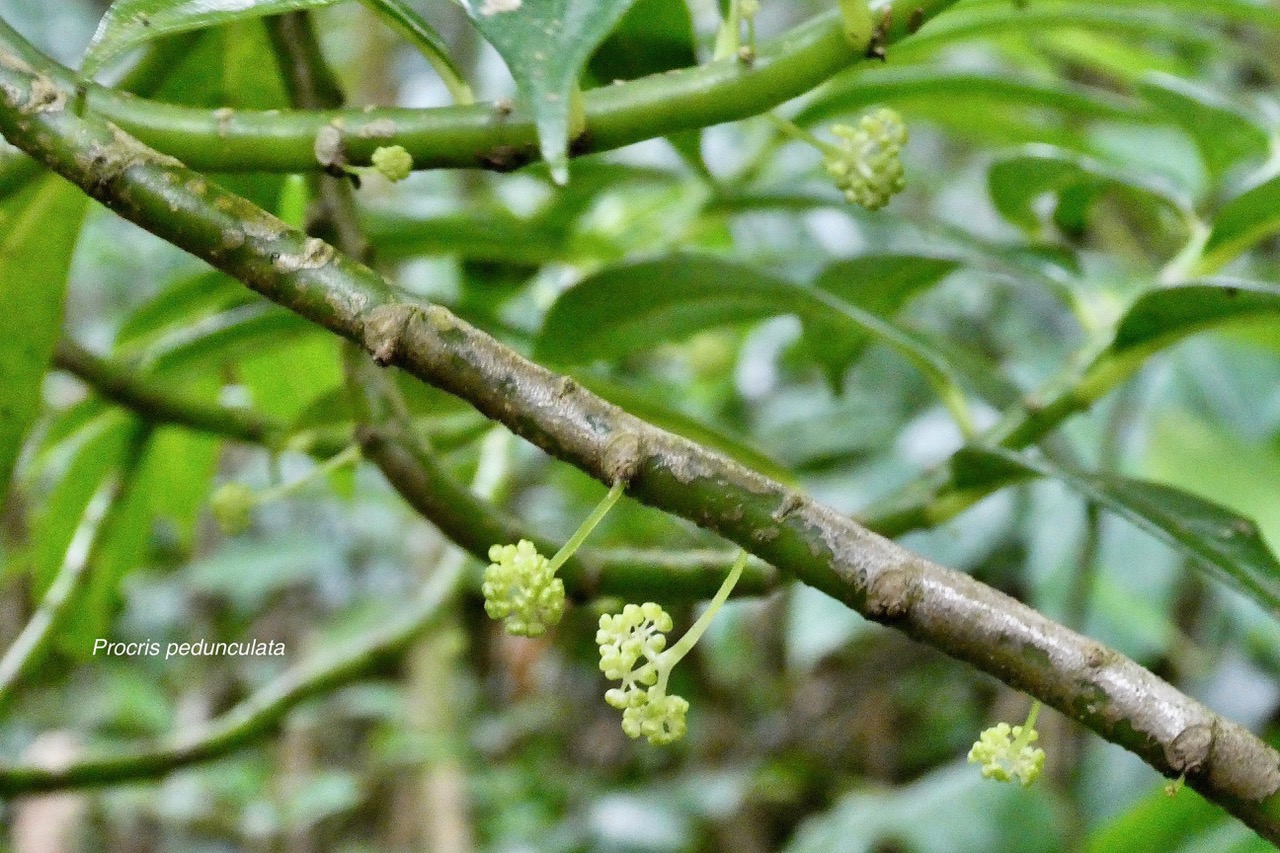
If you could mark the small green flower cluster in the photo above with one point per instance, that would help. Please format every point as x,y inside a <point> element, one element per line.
<point>392,162</point>
<point>233,504</point>
<point>1005,752</point>
<point>866,164</point>
<point>636,636</point>
<point>520,587</point>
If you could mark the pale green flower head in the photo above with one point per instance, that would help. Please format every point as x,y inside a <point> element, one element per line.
<point>866,165</point>
<point>659,717</point>
<point>1005,753</point>
<point>232,506</point>
<point>627,637</point>
<point>521,588</point>
<point>393,162</point>
<point>632,644</point>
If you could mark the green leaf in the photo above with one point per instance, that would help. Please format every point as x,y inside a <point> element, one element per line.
<point>652,37</point>
<point>546,44</point>
<point>1043,17</point>
<point>1164,316</point>
<point>223,338</point>
<point>129,23</point>
<point>184,302</point>
<point>1226,545</point>
<point>635,306</point>
<point>423,36</point>
<point>967,101</point>
<point>1241,223</point>
<point>880,284</point>
<point>1017,181</point>
<point>1156,823</point>
<point>1224,133</point>
<point>39,235</point>
<point>93,453</point>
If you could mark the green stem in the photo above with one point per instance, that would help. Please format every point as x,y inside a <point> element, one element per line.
<point>584,530</point>
<point>800,134</point>
<point>676,653</point>
<point>480,135</point>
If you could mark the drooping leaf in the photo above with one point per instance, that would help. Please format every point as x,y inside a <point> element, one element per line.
<point>635,306</point>
<point>1223,543</point>
<point>129,23</point>
<point>983,106</point>
<point>1017,181</point>
<point>1241,223</point>
<point>1223,132</point>
<point>184,302</point>
<point>546,44</point>
<point>881,284</point>
<point>39,235</point>
<point>1163,316</point>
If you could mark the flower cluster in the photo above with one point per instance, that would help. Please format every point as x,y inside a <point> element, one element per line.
<point>520,588</point>
<point>1005,752</point>
<point>232,506</point>
<point>632,651</point>
<point>866,165</point>
<point>392,162</point>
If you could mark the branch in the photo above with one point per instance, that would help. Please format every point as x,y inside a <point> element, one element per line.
<point>490,137</point>
<point>161,405</point>
<point>951,611</point>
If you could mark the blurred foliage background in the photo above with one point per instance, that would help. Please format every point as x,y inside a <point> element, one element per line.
<point>1063,155</point>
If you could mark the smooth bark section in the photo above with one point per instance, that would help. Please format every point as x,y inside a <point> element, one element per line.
<point>948,610</point>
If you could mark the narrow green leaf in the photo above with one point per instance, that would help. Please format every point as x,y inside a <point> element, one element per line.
<point>1161,317</point>
<point>1224,544</point>
<point>94,452</point>
<point>1017,181</point>
<point>129,23</point>
<point>39,229</point>
<point>1045,16</point>
<point>546,45</point>
<point>1224,133</point>
<point>938,90</point>
<point>495,236</point>
<point>880,284</point>
<point>635,306</point>
<point>1241,223</point>
<point>184,302</point>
